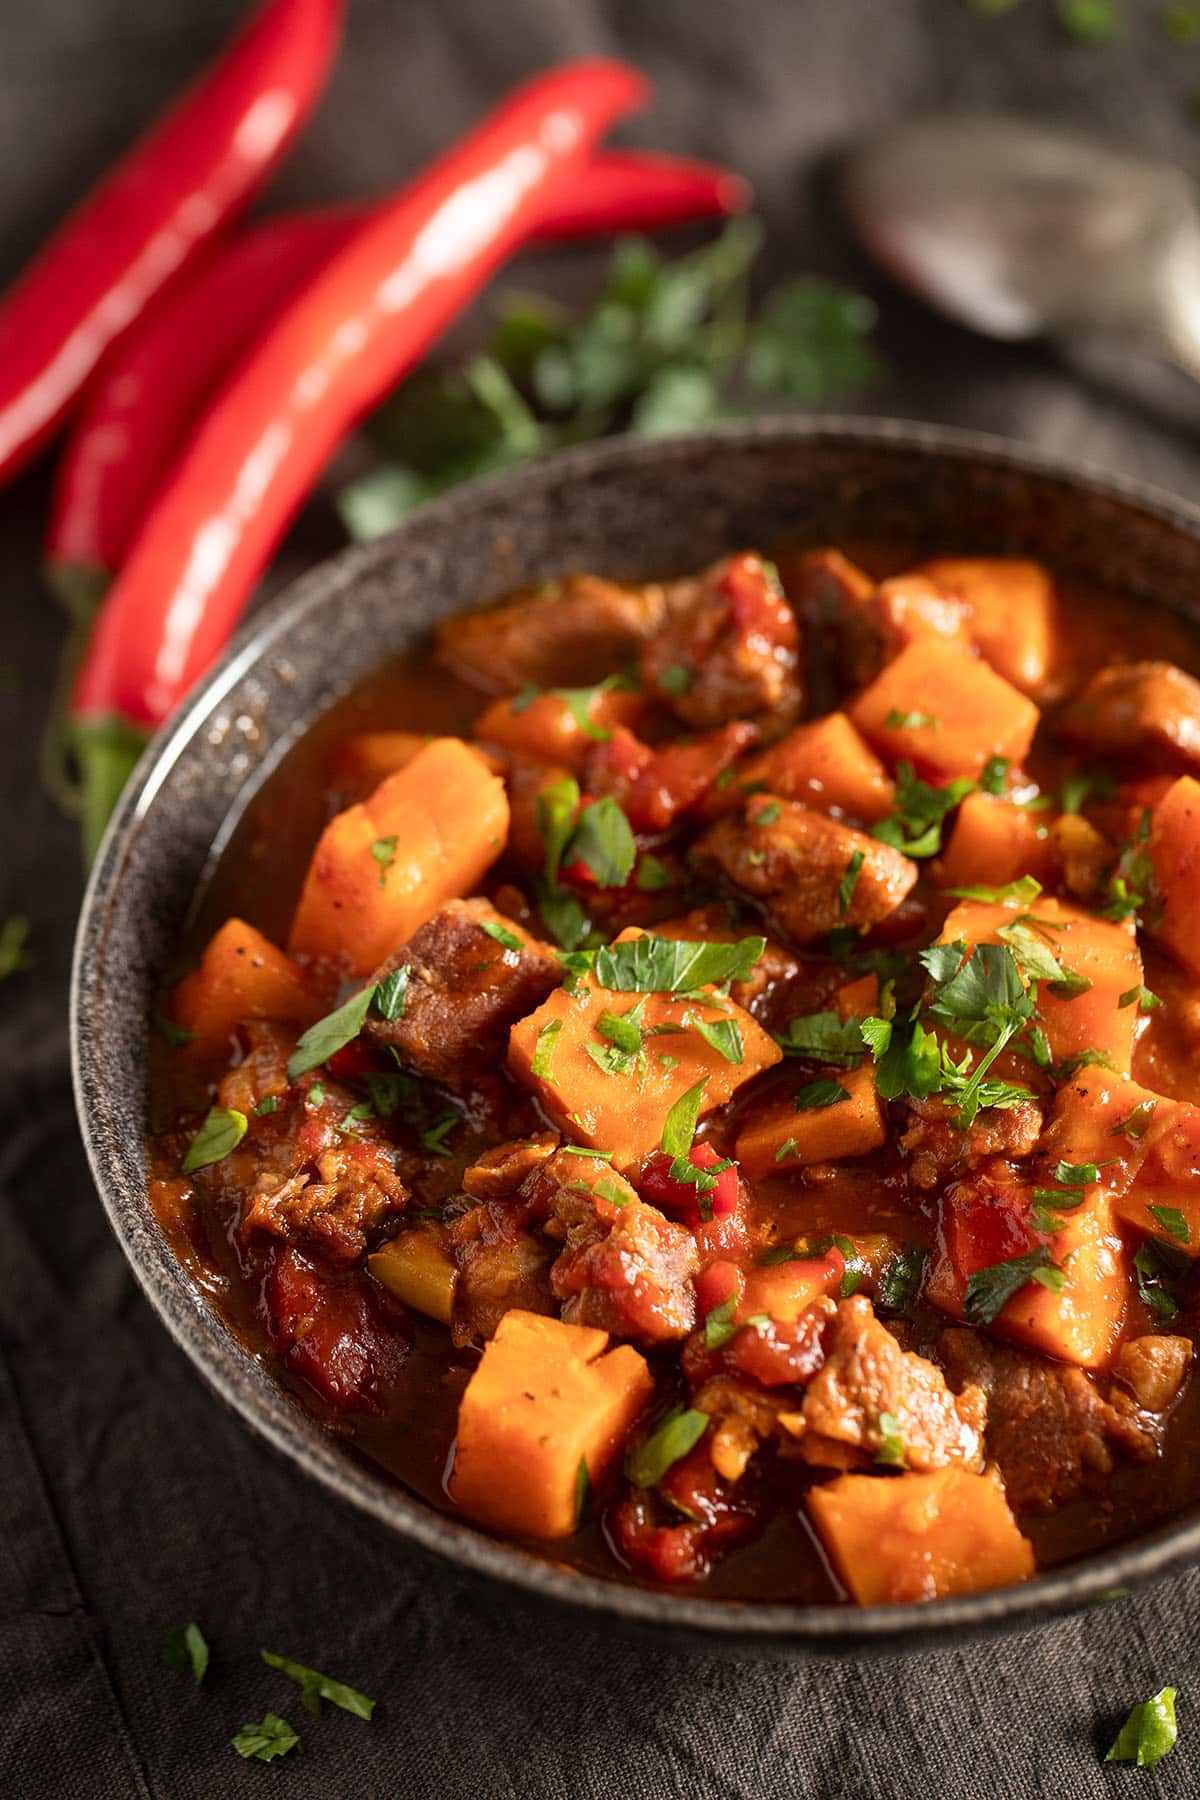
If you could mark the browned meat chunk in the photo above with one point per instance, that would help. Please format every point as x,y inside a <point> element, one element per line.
<point>811,872</point>
<point>468,986</point>
<point>355,1188</point>
<point>568,633</point>
<point>1148,711</point>
<point>501,1171</point>
<point>836,602</point>
<point>744,1417</point>
<point>730,648</point>
<point>1049,1427</point>
<point>625,1267</point>
<point>940,1150</point>
<point>1154,1369</point>
<point>871,1392</point>
<point>501,1265</point>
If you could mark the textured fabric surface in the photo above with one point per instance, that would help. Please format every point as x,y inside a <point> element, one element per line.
<point>129,1500</point>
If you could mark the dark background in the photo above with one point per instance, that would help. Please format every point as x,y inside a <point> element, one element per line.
<point>129,1500</point>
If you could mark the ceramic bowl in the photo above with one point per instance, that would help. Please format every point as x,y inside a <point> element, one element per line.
<point>626,507</point>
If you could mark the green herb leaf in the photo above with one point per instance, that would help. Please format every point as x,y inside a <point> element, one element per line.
<point>384,852</point>
<point>543,1050</point>
<point>554,812</point>
<point>1157,1268</point>
<point>1137,1122</point>
<point>900,1282</point>
<point>389,1091</point>
<point>824,1037</point>
<point>502,934</point>
<point>659,965</point>
<point>679,1128</point>
<point>603,840</point>
<point>849,882</point>
<point>331,1033</point>
<point>719,1324</point>
<point>1139,996</point>
<point>166,1029</point>
<point>1172,1221</point>
<point>768,815</point>
<point>316,1094</point>
<point>676,679</point>
<point>433,1140</point>
<point>819,1094</point>
<point>1149,1733</point>
<point>908,721</point>
<point>915,827</point>
<point>315,1687</point>
<point>678,1433</point>
<point>891,1453</point>
<point>812,342</point>
<point>1013,893</point>
<point>995,774</point>
<point>583,1489</point>
<point>274,1737</point>
<point>268,1104</point>
<point>186,1648</point>
<point>391,994</point>
<point>990,1290</point>
<point>222,1131</point>
<point>652,874</point>
<point>725,1037</point>
<point>564,916</point>
<point>623,1029</point>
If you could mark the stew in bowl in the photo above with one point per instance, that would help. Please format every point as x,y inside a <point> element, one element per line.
<point>721,1100</point>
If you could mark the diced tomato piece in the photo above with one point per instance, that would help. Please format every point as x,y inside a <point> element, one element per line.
<point>331,1334</point>
<point>721,1281</point>
<point>683,1200</point>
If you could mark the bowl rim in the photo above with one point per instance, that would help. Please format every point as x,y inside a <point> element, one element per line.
<point>225,1364</point>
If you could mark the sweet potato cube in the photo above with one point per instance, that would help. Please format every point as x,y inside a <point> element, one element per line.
<point>975,713</point>
<point>1010,612</point>
<point>544,1399</point>
<point>1175,854</point>
<point>827,767</point>
<point>1104,953</point>
<point>383,867</point>
<point>785,1290</point>
<point>548,728</point>
<point>776,1138</point>
<point>919,1537</point>
<point>618,1108</point>
<point>369,757</point>
<point>242,976</point>
<point>858,999</point>
<point>1149,1144</point>
<point>418,1269</point>
<point>993,843</point>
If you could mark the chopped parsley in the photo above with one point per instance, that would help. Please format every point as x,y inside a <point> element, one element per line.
<point>268,1104</point>
<point>660,965</point>
<point>990,1290</point>
<point>502,934</point>
<point>1136,1123</point>
<point>676,679</point>
<point>652,874</point>
<point>1132,891</point>
<point>679,1128</point>
<point>849,882</point>
<point>579,702</point>
<point>1173,1222</point>
<point>603,841</point>
<point>679,1432</point>
<point>720,1324</point>
<point>315,1687</point>
<point>391,994</point>
<point>331,1033</point>
<point>995,775</point>
<point>623,1029</point>
<point>818,1094</point>
<point>1013,893</point>
<point>725,1037</point>
<point>384,852</point>
<point>915,827</point>
<point>1158,1267</point>
<point>823,1037</point>
<point>908,721</point>
<point>434,1140</point>
<point>768,814</point>
<point>222,1131</point>
<point>583,1490</point>
<point>900,1281</point>
<point>167,1030</point>
<point>891,1452</point>
<point>543,1050</point>
<point>1139,996</point>
<point>316,1094</point>
<point>1149,1733</point>
<point>274,1737</point>
<point>186,1648</point>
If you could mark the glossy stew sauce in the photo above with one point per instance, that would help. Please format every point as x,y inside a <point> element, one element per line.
<point>702,1077</point>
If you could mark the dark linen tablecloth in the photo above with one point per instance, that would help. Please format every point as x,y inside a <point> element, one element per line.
<point>129,1499</point>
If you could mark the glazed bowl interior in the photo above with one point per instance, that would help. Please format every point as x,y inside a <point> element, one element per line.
<point>625,508</point>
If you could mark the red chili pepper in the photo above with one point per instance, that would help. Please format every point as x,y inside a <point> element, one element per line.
<point>343,342</point>
<point>180,182</point>
<point>153,385</point>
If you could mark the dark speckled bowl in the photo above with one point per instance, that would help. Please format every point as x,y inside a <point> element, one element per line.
<point>622,508</point>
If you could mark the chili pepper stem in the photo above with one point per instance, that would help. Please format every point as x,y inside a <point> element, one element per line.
<point>107,750</point>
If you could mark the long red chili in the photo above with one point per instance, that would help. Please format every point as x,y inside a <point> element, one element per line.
<point>180,182</point>
<point>341,344</point>
<point>152,387</point>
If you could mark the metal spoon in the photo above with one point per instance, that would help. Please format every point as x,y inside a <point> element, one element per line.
<point>1021,231</point>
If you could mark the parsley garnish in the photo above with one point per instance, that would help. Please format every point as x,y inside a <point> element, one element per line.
<point>1149,1733</point>
<point>849,882</point>
<point>543,1050</point>
<point>361,1111</point>
<point>316,1094</point>
<point>679,1432</point>
<point>583,1489</point>
<point>557,804</point>
<point>725,1037</point>
<point>676,679</point>
<point>623,1029</point>
<point>222,1131</point>
<point>1137,1122</point>
<point>891,1452</point>
<point>603,841</point>
<point>391,994</point>
<point>660,965</point>
<point>916,825</point>
<point>823,1037</point>
<point>578,702</point>
<point>818,1094</point>
<point>502,934</point>
<point>679,1127</point>
<point>329,1034</point>
<point>1157,1265</point>
<point>433,1140</point>
<point>274,1737</point>
<point>768,814</point>
<point>186,1648</point>
<point>315,1687</point>
<point>990,1290</point>
<point>1139,996</point>
<point>268,1104</point>
<point>1133,887</point>
<point>720,1324</point>
<point>168,1031</point>
<point>908,721</point>
<point>900,1282</point>
<point>652,874</point>
<point>1172,1221</point>
<point>384,852</point>
<point>1019,893</point>
<point>389,1091</point>
<point>995,772</point>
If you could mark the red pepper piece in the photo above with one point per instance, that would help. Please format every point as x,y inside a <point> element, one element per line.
<point>683,1200</point>
<point>347,338</point>
<point>178,185</point>
<point>721,1281</point>
<point>329,1332</point>
<point>154,383</point>
<point>656,787</point>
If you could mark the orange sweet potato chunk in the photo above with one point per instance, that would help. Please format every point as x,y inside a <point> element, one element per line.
<point>1010,612</point>
<point>547,728</point>
<point>993,843</point>
<point>369,757</point>
<point>624,1112</point>
<point>1104,953</point>
<point>544,1398</point>
<point>242,976</point>
<point>1154,1163</point>
<point>827,767</point>
<point>919,1537</point>
<point>448,816</point>
<point>975,713</point>
<point>1175,854</point>
<point>785,1290</point>
<point>776,1138</point>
